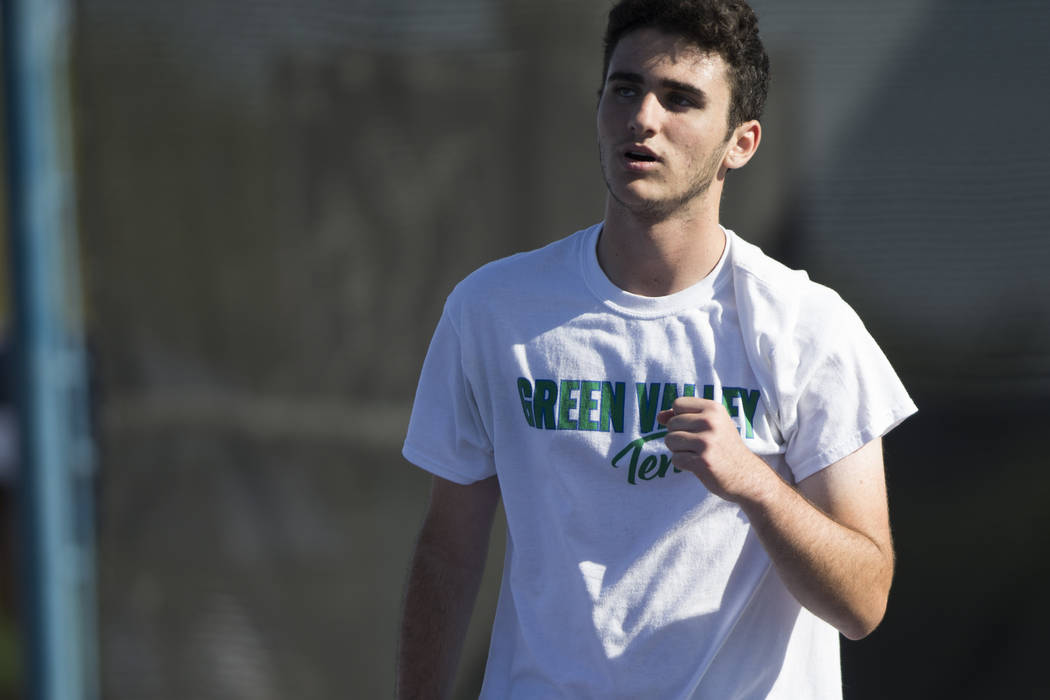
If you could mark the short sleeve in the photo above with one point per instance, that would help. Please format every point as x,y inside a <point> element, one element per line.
<point>446,435</point>
<point>846,393</point>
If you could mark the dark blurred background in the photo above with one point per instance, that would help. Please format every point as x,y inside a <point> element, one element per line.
<point>274,199</point>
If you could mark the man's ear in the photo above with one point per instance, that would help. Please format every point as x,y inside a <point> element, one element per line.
<point>743,143</point>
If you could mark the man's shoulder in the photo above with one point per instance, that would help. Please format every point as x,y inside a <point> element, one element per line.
<point>794,327</point>
<point>520,273</point>
<point>766,280</point>
<point>785,313</point>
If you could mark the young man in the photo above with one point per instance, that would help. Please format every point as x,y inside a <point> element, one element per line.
<point>685,434</point>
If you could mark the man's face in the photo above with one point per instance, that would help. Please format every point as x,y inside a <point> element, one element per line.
<point>662,122</point>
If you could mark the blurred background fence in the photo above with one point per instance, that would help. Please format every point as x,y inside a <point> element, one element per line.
<point>274,199</point>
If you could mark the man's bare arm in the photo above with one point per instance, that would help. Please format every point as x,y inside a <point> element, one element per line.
<point>443,582</point>
<point>828,537</point>
<point>830,540</point>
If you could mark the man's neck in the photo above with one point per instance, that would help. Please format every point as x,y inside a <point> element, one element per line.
<point>659,257</point>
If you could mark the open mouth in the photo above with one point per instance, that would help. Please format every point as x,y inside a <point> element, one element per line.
<point>641,157</point>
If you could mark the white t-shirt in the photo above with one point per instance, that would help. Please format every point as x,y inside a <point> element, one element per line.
<point>625,578</point>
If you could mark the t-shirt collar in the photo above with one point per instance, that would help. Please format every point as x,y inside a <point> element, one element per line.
<point>643,306</point>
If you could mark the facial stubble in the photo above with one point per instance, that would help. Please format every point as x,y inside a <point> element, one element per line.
<point>660,209</point>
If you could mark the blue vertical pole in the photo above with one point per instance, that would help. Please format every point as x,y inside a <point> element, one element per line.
<point>56,471</point>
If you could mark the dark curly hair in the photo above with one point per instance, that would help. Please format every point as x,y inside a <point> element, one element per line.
<point>726,27</point>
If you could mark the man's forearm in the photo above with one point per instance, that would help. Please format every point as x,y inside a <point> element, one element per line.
<point>443,582</point>
<point>838,573</point>
<point>438,603</point>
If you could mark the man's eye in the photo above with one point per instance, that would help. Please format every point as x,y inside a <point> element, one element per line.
<point>682,101</point>
<point>624,91</point>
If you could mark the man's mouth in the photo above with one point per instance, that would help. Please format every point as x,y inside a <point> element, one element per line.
<point>641,155</point>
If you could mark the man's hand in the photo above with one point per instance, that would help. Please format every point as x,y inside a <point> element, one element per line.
<point>704,440</point>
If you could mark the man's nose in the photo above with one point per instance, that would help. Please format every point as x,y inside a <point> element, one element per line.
<point>645,117</point>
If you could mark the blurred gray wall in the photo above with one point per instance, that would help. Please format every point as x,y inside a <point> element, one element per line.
<point>275,199</point>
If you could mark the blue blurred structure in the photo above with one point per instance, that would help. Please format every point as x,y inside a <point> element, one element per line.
<point>57,465</point>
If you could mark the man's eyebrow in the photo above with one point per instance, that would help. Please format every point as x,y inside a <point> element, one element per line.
<point>626,77</point>
<point>684,87</point>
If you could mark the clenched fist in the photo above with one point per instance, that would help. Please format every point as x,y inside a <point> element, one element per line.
<point>704,440</point>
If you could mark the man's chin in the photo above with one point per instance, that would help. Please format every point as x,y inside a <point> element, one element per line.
<point>640,204</point>
<point>631,194</point>
<point>642,200</point>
